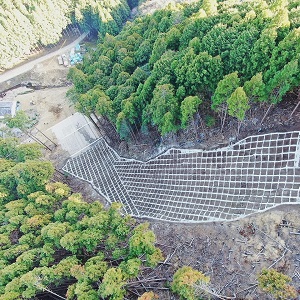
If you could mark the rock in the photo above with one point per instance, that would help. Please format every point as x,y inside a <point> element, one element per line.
<point>232,139</point>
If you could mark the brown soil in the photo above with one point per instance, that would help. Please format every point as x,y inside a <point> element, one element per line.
<point>232,254</point>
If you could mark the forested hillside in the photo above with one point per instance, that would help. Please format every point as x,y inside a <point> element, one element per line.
<point>26,24</point>
<point>54,244</point>
<point>215,58</point>
<point>50,237</point>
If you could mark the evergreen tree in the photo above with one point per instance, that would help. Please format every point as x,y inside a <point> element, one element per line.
<point>191,49</point>
<point>283,81</point>
<point>189,106</point>
<point>164,108</point>
<point>238,104</point>
<point>255,88</point>
<point>51,237</point>
<point>225,88</point>
<point>25,26</point>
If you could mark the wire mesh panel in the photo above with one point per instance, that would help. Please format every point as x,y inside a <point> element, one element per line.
<point>252,175</point>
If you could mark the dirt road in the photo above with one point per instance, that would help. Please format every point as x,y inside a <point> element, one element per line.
<point>28,66</point>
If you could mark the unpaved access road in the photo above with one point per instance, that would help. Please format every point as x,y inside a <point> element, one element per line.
<point>28,66</point>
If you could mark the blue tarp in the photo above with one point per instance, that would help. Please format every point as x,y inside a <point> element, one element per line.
<point>77,47</point>
<point>75,58</point>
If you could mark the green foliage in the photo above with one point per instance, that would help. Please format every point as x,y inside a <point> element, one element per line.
<point>144,52</point>
<point>96,267</point>
<point>210,7</point>
<point>210,121</point>
<point>28,151</point>
<point>262,50</point>
<point>154,258</point>
<point>85,291</point>
<point>20,120</point>
<point>113,284</point>
<point>27,177</point>
<point>10,149</point>
<point>224,90</point>
<point>4,241</point>
<point>63,268</point>
<point>142,241</point>
<point>148,296</point>
<point>26,26</point>
<point>173,38</point>
<point>164,108</point>
<point>50,236</point>
<point>283,81</point>
<point>189,106</point>
<point>255,88</point>
<point>198,72</point>
<point>184,280</point>
<point>7,149</point>
<point>287,50</point>
<point>22,174</point>
<point>238,104</point>
<point>53,232</point>
<point>276,284</point>
<point>207,50</point>
<point>159,48</point>
<point>58,190</point>
<point>131,268</point>
<point>240,54</point>
<point>36,222</point>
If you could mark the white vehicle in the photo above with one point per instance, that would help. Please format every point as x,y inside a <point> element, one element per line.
<point>60,60</point>
<point>65,60</point>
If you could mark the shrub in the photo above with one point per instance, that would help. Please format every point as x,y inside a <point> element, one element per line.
<point>184,280</point>
<point>276,284</point>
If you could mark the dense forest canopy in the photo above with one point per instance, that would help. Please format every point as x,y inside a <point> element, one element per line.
<point>26,24</point>
<point>51,237</point>
<point>54,243</point>
<point>214,58</point>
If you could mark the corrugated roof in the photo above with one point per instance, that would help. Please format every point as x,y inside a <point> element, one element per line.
<point>7,108</point>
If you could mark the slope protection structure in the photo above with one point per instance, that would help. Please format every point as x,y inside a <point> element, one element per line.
<point>255,174</point>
